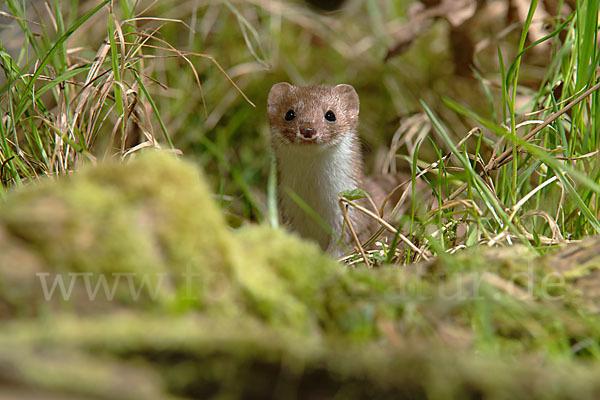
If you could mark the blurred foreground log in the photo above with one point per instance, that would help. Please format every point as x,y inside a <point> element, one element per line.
<point>167,302</point>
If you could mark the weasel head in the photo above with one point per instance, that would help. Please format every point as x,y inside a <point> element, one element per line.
<point>312,115</point>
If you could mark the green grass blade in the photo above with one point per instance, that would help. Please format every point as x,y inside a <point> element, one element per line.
<point>29,89</point>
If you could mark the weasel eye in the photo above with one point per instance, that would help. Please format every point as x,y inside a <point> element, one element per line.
<point>290,115</point>
<point>330,116</point>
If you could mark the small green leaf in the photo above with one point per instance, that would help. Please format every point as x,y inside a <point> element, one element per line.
<point>354,194</point>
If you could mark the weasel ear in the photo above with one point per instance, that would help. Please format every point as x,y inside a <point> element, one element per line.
<point>349,97</point>
<point>277,93</point>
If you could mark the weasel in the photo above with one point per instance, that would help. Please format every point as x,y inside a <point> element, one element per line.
<point>317,151</point>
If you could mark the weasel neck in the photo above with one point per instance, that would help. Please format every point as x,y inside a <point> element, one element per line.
<point>316,174</point>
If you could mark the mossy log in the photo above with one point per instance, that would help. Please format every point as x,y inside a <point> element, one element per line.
<point>160,299</point>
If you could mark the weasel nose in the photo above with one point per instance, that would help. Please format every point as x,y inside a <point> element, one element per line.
<point>308,133</point>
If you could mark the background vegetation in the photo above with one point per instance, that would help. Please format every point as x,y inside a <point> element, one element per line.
<point>193,76</point>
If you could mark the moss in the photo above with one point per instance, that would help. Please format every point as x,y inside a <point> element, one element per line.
<point>257,312</point>
<point>282,276</point>
<point>55,369</point>
<point>209,357</point>
<point>151,221</point>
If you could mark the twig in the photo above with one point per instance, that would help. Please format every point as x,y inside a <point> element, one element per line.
<point>347,219</point>
<point>507,155</point>
<point>385,225</point>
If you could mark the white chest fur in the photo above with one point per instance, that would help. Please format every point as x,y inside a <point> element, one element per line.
<point>316,174</point>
